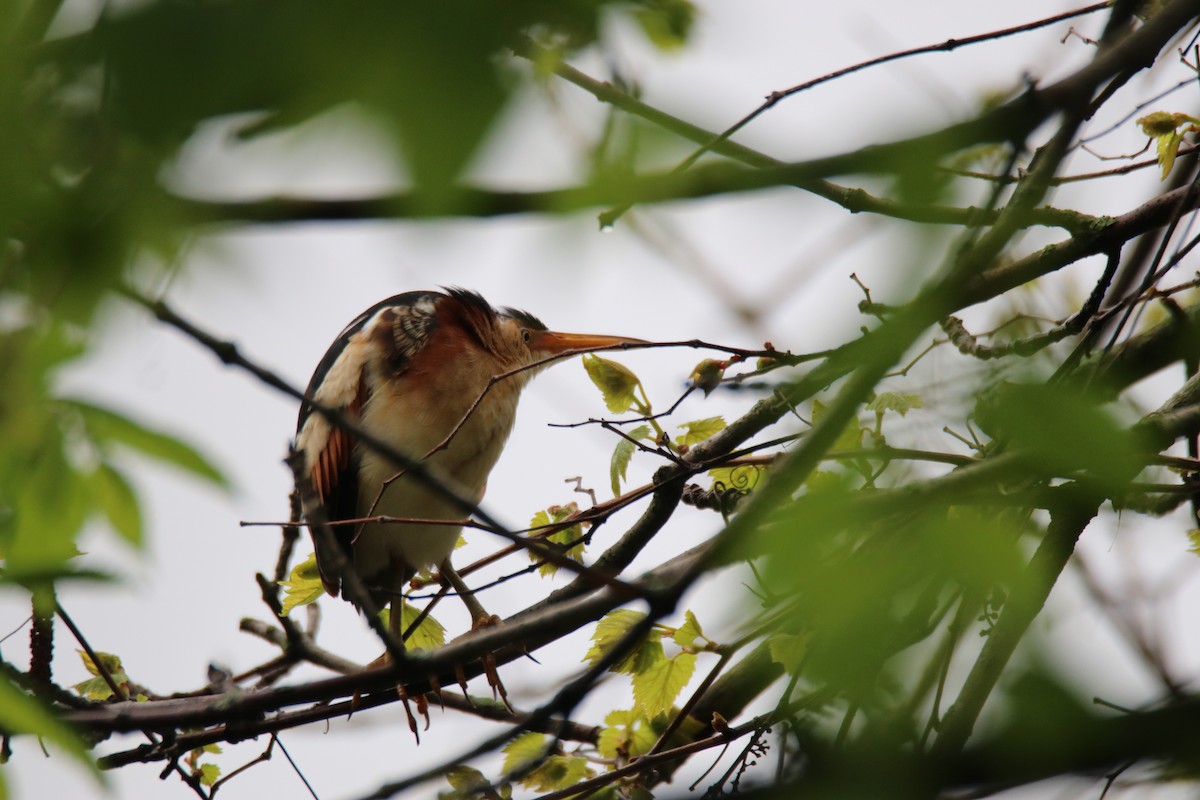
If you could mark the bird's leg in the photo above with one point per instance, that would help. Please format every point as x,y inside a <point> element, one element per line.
<point>480,618</point>
<point>396,629</point>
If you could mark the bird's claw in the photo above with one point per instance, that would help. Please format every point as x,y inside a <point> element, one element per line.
<point>493,677</point>
<point>422,704</point>
<point>489,661</point>
<point>420,700</point>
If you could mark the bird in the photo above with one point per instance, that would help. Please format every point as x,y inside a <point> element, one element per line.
<point>409,371</point>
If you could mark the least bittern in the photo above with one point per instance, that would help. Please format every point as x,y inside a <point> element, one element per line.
<point>408,370</point>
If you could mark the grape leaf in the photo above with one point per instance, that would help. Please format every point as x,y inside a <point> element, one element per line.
<point>622,454</point>
<point>574,533</point>
<point>788,651</point>
<point>96,688</point>
<point>625,733</point>
<point>895,401</point>
<point>428,635</point>
<point>655,689</point>
<point>689,631</point>
<point>303,585</point>
<point>557,772</point>
<point>611,629</point>
<point>615,381</point>
<point>698,430</point>
<point>209,773</point>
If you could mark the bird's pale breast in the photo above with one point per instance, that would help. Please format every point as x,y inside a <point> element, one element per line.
<point>415,415</point>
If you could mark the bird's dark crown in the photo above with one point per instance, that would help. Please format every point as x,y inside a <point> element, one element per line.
<point>475,301</point>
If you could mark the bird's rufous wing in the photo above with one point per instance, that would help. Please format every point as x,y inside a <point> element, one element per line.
<point>329,456</point>
<point>383,337</point>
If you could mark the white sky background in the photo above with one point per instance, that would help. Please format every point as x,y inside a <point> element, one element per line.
<point>282,294</point>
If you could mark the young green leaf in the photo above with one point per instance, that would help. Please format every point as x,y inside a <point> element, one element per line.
<point>466,780</point>
<point>744,477</point>
<point>1165,129</point>
<point>666,23</point>
<point>574,533</point>
<point>523,750</point>
<point>557,772</point>
<point>303,585</point>
<point>615,381</point>
<point>627,734</point>
<point>851,436</point>
<point>428,635</point>
<point>895,401</point>
<point>96,688</point>
<point>689,631</point>
<point>707,375</point>
<point>698,430</point>
<point>788,651</point>
<point>209,773</point>
<point>655,689</point>
<point>623,453</point>
<point>611,629</point>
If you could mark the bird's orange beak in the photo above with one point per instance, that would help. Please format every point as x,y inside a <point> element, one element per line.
<point>554,343</point>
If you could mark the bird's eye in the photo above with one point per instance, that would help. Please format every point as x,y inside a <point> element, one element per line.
<point>526,336</point>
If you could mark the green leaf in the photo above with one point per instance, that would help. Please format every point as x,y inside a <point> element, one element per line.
<point>303,585</point>
<point>1059,430</point>
<point>851,436</point>
<point>116,498</point>
<point>466,781</point>
<point>698,430</point>
<point>626,733</point>
<point>895,401</point>
<point>622,454</point>
<point>47,507</point>
<point>707,375</point>
<point>788,651</point>
<point>22,713</point>
<point>615,381</point>
<point>655,689</point>
<point>524,750</point>
<point>1167,149</point>
<point>110,662</point>
<point>574,533</point>
<point>744,477</point>
<point>611,629</point>
<point>1194,538</point>
<point>209,774</point>
<point>96,688</point>
<point>106,427</point>
<point>429,634</point>
<point>1159,123</point>
<point>1164,127</point>
<point>666,23</point>
<point>823,481</point>
<point>444,49</point>
<point>689,631</point>
<point>558,772</point>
